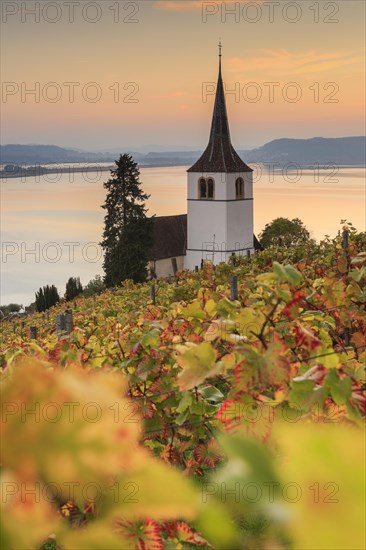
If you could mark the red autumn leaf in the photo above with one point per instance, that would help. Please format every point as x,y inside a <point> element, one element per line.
<point>171,528</point>
<point>170,454</point>
<point>186,534</point>
<point>192,468</point>
<point>208,454</point>
<point>146,410</point>
<point>144,535</point>
<point>306,337</point>
<point>229,411</point>
<point>292,308</point>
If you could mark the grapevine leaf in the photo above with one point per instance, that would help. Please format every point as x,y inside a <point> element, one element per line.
<point>212,394</point>
<point>287,274</point>
<point>340,389</point>
<point>197,363</point>
<point>185,402</point>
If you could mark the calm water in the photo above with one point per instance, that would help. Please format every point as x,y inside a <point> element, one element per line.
<point>49,226</point>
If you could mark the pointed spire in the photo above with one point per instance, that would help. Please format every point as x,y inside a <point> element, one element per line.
<point>220,155</point>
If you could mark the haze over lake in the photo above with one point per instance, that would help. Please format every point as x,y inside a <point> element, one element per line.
<point>51,226</point>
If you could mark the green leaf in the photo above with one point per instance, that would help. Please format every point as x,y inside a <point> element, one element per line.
<point>185,402</point>
<point>329,458</point>
<point>182,417</point>
<point>216,525</point>
<point>151,338</point>
<point>358,274</point>
<point>301,393</point>
<point>225,307</point>
<point>212,394</point>
<point>328,358</point>
<point>287,273</point>
<point>194,311</point>
<point>197,408</point>
<point>340,389</point>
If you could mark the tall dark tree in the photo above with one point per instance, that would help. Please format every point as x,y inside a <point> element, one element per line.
<point>73,288</point>
<point>127,234</point>
<point>46,297</point>
<point>40,301</point>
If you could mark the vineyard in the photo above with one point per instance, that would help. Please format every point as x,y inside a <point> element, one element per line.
<point>192,416</point>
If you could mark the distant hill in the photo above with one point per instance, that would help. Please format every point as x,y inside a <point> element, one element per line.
<point>44,154</point>
<point>303,152</point>
<point>341,151</point>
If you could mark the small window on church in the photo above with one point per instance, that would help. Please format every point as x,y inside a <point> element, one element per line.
<point>239,188</point>
<point>202,188</point>
<point>210,188</point>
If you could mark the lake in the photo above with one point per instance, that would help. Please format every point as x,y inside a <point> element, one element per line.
<point>51,225</point>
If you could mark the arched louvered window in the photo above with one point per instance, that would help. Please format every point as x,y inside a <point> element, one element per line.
<point>239,188</point>
<point>206,188</point>
<point>210,188</point>
<point>202,188</point>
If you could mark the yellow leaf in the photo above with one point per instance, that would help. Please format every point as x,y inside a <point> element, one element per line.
<point>325,478</point>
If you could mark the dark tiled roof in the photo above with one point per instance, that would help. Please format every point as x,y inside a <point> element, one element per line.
<point>169,237</point>
<point>257,244</point>
<point>220,155</point>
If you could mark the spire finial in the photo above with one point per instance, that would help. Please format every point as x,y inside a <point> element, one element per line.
<point>220,55</point>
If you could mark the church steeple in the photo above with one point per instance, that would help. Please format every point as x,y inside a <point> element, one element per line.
<point>220,155</point>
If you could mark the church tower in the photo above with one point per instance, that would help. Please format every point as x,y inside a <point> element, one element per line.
<point>220,196</point>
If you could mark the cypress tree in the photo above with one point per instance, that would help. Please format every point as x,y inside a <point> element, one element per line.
<point>73,288</point>
<point>46,297</point>
<point>127,234</point>
<point>40,301</point>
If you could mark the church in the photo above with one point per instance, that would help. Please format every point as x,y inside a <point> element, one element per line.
<point>219,219</point>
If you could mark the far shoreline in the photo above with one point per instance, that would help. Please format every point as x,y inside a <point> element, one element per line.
<point>43,170</point>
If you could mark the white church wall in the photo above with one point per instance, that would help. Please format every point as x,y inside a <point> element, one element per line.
<point>164,267</point>
<point>240,214</point>
<point>248,184</point>
<point>240,228</point>
<point>206,224</point>
<point>221,224</point>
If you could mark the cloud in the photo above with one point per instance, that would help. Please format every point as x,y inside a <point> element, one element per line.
<point>282,62</point>
<point>189,5</point>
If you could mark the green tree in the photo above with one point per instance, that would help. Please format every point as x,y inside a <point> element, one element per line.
<point>73,288</point>
<point>46,297</point>
<point>284,232</point>
<point>127,232</point>
<point>10,308</point>
<point>95,286</point>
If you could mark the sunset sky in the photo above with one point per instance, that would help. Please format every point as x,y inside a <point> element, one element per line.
<point>169,52</point>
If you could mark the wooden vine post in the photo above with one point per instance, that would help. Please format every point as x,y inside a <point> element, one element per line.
<point>233,287</point>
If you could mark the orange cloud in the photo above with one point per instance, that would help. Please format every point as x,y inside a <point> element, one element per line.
<point>283,62</point>
<point>189,5</point>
